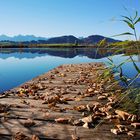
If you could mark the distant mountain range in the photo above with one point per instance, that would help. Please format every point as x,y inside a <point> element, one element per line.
<point>96,38</point>
<point>21,38</point>
<point>93,39</point>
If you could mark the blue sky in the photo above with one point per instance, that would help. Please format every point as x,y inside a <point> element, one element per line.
<point>50,18</point>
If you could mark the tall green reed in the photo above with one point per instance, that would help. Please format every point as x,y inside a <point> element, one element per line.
<point>131,21</point>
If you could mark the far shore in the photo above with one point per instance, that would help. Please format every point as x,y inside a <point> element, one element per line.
<point>44,46</point>
<point>105,45</point>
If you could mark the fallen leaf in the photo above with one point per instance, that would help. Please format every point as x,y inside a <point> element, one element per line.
<point>20,136</point>
<point>63,120</point>
<point>131,133</point>
<point>34,137</point>
<point>77,122</point>
<point>124,115</point>
<point>115,131</point>
<point>136,125</point>
<point>88,119</point>
<point>96,91</point>
<point>4,108</point>
<point>101,97</point>
<point>80,108</point>
<point>86,125</point>
<point>122,128</point>
<point>74,137</point>
<point>78,99</point>
<point>29,123</point>
<point>68,99</point>
<point>133,118</point>
<point>90,90</point>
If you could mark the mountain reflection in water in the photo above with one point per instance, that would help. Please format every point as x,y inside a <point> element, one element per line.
<point>21,65</point>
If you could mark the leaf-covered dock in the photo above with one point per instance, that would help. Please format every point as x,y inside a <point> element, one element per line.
<point>67,103</point>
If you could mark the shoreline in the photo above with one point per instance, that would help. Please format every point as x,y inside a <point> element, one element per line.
<point>118,45</point>
<point>47,46</point>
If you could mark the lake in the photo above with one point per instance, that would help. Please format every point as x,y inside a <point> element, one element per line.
<point>20,65</point>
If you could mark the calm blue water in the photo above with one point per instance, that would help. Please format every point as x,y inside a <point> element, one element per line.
<point>18,66</point>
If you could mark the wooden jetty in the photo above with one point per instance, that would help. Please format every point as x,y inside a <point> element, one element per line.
<point>58,105</point>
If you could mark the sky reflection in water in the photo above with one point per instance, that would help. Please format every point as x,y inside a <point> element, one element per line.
<point>17,67</point>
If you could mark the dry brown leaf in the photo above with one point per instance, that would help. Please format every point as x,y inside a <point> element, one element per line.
<point>78,99</point>
<point>111,116</point>
<point>63,120</point>
<point>116,120</point>
<point>105,94</point>
<point>77,122</point>
<point>101,97</point>
<point>80,108</point>
<point>68,99</point>
<point>86,125</point>
<point>57,109</point>
<point>34,137</point>
<point>29,123</point>
<point>52,105</point>
<point>88,119</point>
<point>133,118</point>
<point>63,75</point>
<point>111,98</point>
<point>136,125</point>
<point>122,128</point>
<point>52,99</point>
<point>106,110</point>
<point>90,90</point>
<point>20,136</point>
<point>99,114</point>
<point>115,131</point>
<point>74,137</point>
<point>89,106</point>
<point>110,103</point>
<point>61,101</point>
<point>124,115</point>
<point>42,97</point>
<point>96,91</point>
<point>4,108</point>
<point>131,133</point>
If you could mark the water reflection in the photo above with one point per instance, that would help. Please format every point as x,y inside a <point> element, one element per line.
<point>21,65</point>
<point>67,52</point>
